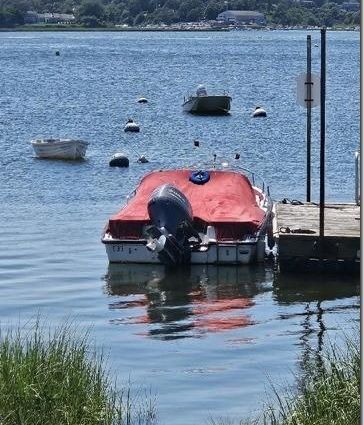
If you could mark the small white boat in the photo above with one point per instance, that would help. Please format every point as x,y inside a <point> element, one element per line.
<point>59,148</point>
<point>142,100</point>
<point>205,104</point>
<point>191,216</point>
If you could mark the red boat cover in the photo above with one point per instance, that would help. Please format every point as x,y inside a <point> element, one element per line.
<point>227,201</point>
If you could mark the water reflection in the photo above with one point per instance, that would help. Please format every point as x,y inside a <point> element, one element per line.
<point>319,295</point>
<point>185,303</point>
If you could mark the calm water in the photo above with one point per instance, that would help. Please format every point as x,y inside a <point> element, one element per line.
<point>205,340</point>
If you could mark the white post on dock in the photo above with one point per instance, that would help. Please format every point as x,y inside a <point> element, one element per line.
<point>308,96</point>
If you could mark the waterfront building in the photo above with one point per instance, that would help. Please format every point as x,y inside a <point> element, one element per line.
<point>49,18</point>
<point>351,6</point>
<point>241,17</point>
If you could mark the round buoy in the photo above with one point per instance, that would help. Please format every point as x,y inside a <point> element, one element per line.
<point>131,126</point>
<point>259,112</point>
<point>119,160</point>
<point>142,100</point>
<point>57,53</point>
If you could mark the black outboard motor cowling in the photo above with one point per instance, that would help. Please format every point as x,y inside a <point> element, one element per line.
<point>168,207</point>
<point>171,215</point>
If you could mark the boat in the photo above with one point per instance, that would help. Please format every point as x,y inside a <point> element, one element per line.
<point>202,103</point>
<point>142,100</point>
<point>59,148</point>
<point>189,216</point>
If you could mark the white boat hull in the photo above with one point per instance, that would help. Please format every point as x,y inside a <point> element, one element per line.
<point>60,149</point>
<point>218,105</point>
<point>221,253</point>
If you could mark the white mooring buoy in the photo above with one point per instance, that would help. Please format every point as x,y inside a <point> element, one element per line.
<point>259,112</point>
<point>131,126</point>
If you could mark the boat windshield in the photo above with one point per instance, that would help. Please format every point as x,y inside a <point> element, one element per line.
<point>201,90</point>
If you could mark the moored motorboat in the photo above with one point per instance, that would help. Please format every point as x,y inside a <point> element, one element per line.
<point>202,103</point>
<point>187,216</point>
<point>59,148</point>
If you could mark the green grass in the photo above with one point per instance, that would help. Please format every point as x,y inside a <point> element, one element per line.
<point>55,378</point>
<point>331,395</point>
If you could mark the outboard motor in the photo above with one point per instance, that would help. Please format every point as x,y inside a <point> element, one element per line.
<point>171,215</point>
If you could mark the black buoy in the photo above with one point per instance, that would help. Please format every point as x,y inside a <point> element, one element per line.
<point>237,156</point>
<point>196,143</point>
<point>142,159</point>
<point>57,53</point>
<point>119,160</point>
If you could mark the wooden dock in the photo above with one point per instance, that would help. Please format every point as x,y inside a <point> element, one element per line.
<point>296,233</point>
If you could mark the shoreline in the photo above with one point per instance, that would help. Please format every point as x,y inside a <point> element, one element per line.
<point>51,28</point>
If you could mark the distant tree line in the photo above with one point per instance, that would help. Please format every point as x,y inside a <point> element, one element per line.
<point>95,13</point>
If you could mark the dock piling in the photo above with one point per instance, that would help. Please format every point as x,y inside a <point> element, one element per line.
<point>322,141</point>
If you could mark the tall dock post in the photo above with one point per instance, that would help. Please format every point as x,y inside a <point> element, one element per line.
<point>309,107</point>
<point>322,142</point>
<point>357,177</point>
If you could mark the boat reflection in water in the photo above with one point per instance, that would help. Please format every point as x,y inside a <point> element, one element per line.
<point>317,298</point>
<point>186,302</point>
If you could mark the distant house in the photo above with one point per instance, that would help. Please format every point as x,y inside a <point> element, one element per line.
<point>241,17</point>
<point>350,6</point>
<point>48,18</point>
<point>307,3</point>
<point>56,18</point>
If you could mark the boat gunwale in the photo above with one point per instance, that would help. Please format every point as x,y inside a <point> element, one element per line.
<point>194,97</point>
<point>251,241</point>
<point>52,142</point>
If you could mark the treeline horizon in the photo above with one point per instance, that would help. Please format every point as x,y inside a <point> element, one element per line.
<point>98,13</point>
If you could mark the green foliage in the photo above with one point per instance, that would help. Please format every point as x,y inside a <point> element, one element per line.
<point>90,21</point>
<point>331,395</point>
<point>140,12</point>
<point>90,8</point>
<point>48,379</point>
<point>9,17</point>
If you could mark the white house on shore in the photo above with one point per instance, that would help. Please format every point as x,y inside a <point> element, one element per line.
<point>241,17</point>
<point>48,18</point>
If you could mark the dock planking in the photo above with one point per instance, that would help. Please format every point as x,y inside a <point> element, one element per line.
<point>296,232</point>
